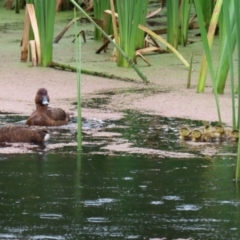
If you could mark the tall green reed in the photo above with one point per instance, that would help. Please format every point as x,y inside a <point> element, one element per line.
<point>45,14</point>
<point>99,7</point>
<point>184,16</point>
<point>130,15</point>
<point>130,61</point>
<point>237,16</point>
<point>208,53</point>
<point>172,22</point>
<point>78,67</point>
<point>227,8</point>
<point>209,41</point>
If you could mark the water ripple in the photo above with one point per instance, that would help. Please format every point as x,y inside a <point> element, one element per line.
<point>50,216</point>
<point>157,202</point>
<point>45,237</point>
<point>98,202</point>
<point>7,236</point>
<point>97,219</point>
<point>127,178</point>
<point>174,198</point>
<point>188,207</point>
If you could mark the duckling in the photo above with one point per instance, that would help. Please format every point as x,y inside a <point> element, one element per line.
<point>14,133</point>
<point>207,127</point>
<point>196,135</point>
<point>184,133</point>
<point>207,137</point>
<point>221,132</point>
<point>44,115</point>
<point>235,135</point>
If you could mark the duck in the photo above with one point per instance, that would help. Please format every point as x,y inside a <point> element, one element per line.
<point>220,131</point>
<point>20,133</point>
<point>234,135</point>
<point>184,133</point>
<point>226,133</point>
<point>196,135</point>
<point>207,128</point>
<point>44,115</point>
<point>207,137</point>
<point>199,135</point>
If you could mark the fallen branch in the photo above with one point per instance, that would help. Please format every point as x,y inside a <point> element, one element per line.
<point>57,39</point>
<point>83,35</point>
<point>85,71</point>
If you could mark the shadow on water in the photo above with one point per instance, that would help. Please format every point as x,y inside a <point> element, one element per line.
<point>55,193</point>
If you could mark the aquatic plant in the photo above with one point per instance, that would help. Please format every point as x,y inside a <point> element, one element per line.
<point>184,16</point>
<point>130,61</point>
<point>172,22</point>
<point>45,16</point>
<point>207,53</point>
<point>99,7</point>
<point>78,61</point>
<point>206,61</point>
<point>130,15</point>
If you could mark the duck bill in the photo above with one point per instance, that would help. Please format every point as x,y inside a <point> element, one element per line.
<point>45,100</point>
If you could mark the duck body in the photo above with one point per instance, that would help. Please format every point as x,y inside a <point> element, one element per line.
<point>44,115</point>
<point>57,114</point>
<point>207,137</point>
<point>12,133</point>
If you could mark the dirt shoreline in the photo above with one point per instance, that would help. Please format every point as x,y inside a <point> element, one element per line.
<point>166,95</point>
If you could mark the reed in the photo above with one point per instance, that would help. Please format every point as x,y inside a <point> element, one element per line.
<point>207,9</point>
<point>210,37</point>
<point>228,42</point>
<point>184,16</point>
<point>172,22</point>
<point>45,14</point>
<point>237,16</point>
<point>99,7</point>
<point>207,53</point>
<point>130,61</point>
<point>78,67</point>
<point>223,66</point>
<point>130,15</point>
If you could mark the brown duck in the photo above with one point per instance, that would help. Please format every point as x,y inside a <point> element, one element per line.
<point>14,133</point>
<point>44,115</point>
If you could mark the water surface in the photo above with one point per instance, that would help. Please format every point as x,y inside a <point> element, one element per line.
<point>59,194</point>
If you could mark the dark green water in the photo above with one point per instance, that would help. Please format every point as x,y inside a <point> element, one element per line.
<point>61,195</point>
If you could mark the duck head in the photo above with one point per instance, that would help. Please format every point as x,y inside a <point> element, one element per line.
<point>42,98</point>
<point>219,128</point>
<point>184,133</point>
<point>196,135</point>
